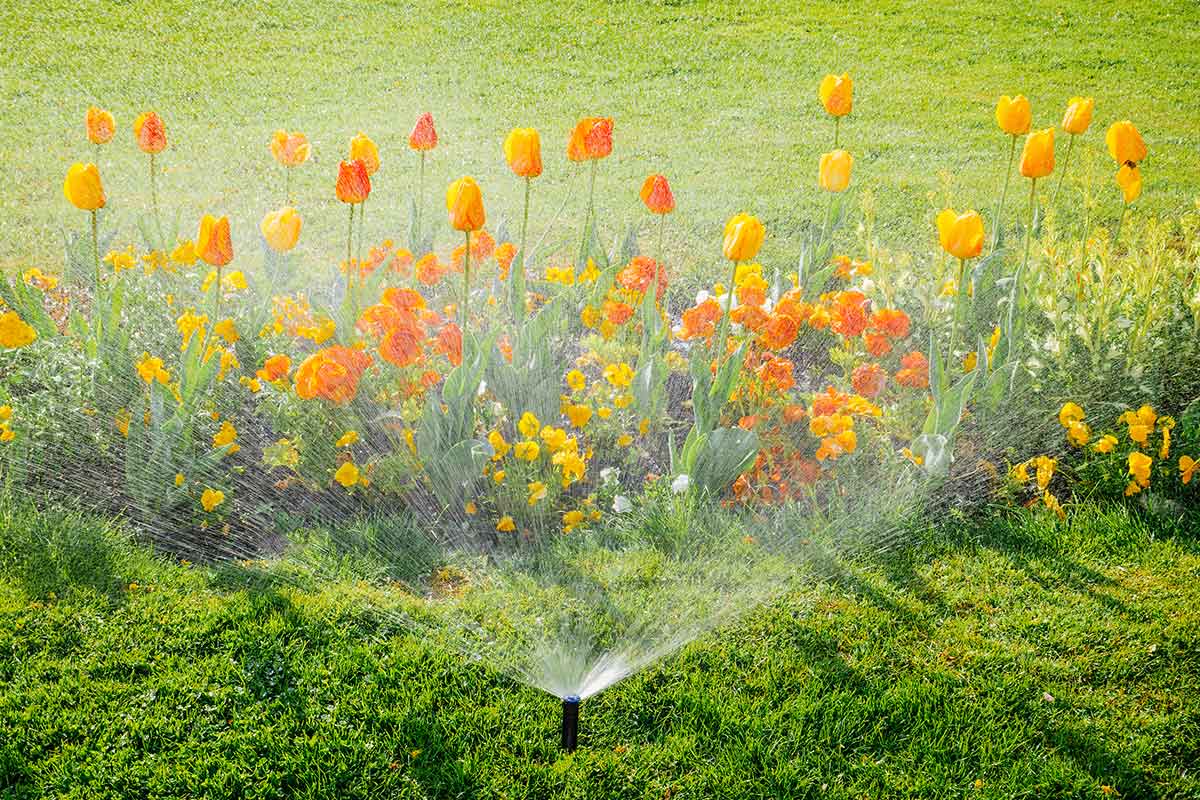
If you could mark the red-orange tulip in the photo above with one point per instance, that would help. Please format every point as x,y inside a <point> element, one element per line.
<point>656,194</point>
<point>213,244</point>
<point>523,151</point>
<point>151,133</point>
<point>353,182</point>
<point>100,125</point>
<point>592,138</point>
<point>424,135</point>
<point>464,201</point>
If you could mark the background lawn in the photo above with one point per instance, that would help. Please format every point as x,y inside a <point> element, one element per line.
<point>720,96</point>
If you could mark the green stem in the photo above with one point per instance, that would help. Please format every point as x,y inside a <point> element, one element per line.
<point>1063,174</point>
<point>217,302</point>
<point>349,244</point>
<point>154,200</point>
<point>466,279</point>
<point>96,248</point>
<point>587,220</point>
<point>516,278</point>
<point>1120,224</point>
<point>1015,294</point>
<point>837,129</point>
<point>725,321</point>
<point>662,223</point>
<point>362,226</point>
<point>825,224</point>
<point>287,186</point>
<point>958,306</point>
<point>420,203</point>
<point>1012,152</point>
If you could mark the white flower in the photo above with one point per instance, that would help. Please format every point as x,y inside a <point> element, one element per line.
<point>680,484</point>
<point>621,504</point>
<point>609,474</point>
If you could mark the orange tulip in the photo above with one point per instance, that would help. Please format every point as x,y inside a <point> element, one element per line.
<point>1078,115</point>
<point>150,132</point>
<point>213,243</point>
<point>353,182</point>
<point>591,139</point>
<point>290,149</point>
<point>281,229</point>
<point>1125,144</point>
<point>1037,158</point>
<point>83,187</point>
<point>1129,178</point>
<point>961,235</point>
<point>364,150</point>
<point>837,94</point>
<point>743,236</point>
<point>464,201</point>
<point>834,174</point>
<point>656,194</point>
<point>100,125</point>
<point>424,135</point>
<point>1014,115</point>
<point>523,151</point>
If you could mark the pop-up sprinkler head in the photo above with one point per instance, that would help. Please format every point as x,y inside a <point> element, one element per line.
<point>570,726</point>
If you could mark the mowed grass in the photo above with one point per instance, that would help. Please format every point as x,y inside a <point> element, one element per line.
<point>1023,658</point>
<point>719,96</point>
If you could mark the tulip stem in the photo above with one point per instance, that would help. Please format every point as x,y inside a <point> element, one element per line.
<point>958,306</point>
<point>837,130</point>
<point>96,248</point>
<point>362,229</point>
<point>154,201</point>
<point>516,276</point>
<point>662,223</point>
<point>217,302</point>
<point>724,338</point>
<point>287,186</point>
<point>1063,174</point>
<point>1012,152</point>
<point>349,241</point>
<point>1120,223</point>
<point>466,278</point>
<point>587,220</point>
<point>420,202</point>
<point>1015,295</point>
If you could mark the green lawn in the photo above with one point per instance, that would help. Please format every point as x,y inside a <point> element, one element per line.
<point>720,96</point>
<point>1014,659</point>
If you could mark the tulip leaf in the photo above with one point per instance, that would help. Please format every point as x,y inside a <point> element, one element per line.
<point>726,454</point>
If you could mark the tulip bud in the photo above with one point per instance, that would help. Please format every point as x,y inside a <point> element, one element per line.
<point>591,139</point>
<point>834,174</point>
<point>100,125</point>
<point>213,243</point>
<point>281,229</point>
<point>837,94</point>
<point>1125,144</point>
<point>1129,178</point>
<point>364,150</point>
<point>1037,157</point>
<point>743,236</point>
<point>656,194</point>
<point>1014,115</point>
<point>290,149</point>
<point>1078,115</point>
<point>353,182</point>
<point>150,132</point>
<point>424,135</point>
<point>83,188</point>
<point>961,235</point>
<point>464,201</point>
<point>523,151</point>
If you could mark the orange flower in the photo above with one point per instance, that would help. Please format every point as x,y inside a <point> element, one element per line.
<point>464,202</point>
<point>429,271</point>
<point>1014,115</point>
<point>656,194</point>
<point>891,322</point>
<point>402,346</point>
<point>961,235</point>
<point>275,368</point>
<point>792,304</point>
<point>353,182</point>
<point>402,262</point>
<point>1037,157</point>
<point>1125,144</point>
<point>591,139</point>
<point>914,372</point>
<point>331,374</point>
<point>849,313</point>
<point>640,272</point>
<point>100,125</point>
<point>213,243</point>
<point>364,150</point>
<point>449,343</point>
<point>743,236</point>
<point>777,373</point>
<point>523,151</point>
<point>751,318</point>
<point>381,318</point>
<point>834,172</point>
<point>793,413</point>
<point>409,300</point>
<point>868,379</point>
<point>290,149</point>
<point>780,332</point>
<point>837,94</point>
<point>1078,115</point>
<point>878,345</point>
<point>504,255</point>
<point>424,135</point>
<point>700,321</point>
<point>482,245</point>
<point>281,229</point>
<point>150,132</point>
<point>617,313</point>
<point>752,291</point>
<point>1129,178</point>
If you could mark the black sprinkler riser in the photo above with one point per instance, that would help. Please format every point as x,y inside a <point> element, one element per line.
<point>570,722</point>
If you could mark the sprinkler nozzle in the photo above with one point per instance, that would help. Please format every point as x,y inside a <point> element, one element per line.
<point>570,724</point>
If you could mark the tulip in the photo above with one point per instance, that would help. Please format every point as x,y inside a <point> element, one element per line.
<point>150,132</point>
<point>523,151</point>
<point>743,236</point>
<point>1014,115</point>
<point>656,194</point>
<point>464,202</point>
<point>837,94</point>
<point>100,125</point>
<point>1037,157</point>
<point>834,174</point>
<point>364,150</point>
<point>961,235</point>
<point>353,182</point>
<point>213,243</point>
<point>1129,178</point>
<point>281,229</point>
<point>85,191</point>
<point>1076,120</point>
<point>424,135</point>
<point>591,139</point>
<point>290,149</point>
<point>1125,144</point>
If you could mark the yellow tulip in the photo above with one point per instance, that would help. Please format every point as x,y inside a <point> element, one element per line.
<point>1125,144</point>
<point>83,188</point>
<point>1037,158</point>
<point>1078,115</point>
<point>523,152</point>
<point>961,235</point>
<point>464,202</point>
<point>281,229</point>
<point>364,150</point>
<point>837,94</point>
<point>1129,178</point>
<point>1014,115</point>
<point>834,175</point>
<point>743,236</point>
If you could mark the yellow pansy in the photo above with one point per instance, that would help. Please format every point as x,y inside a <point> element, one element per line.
<point>576,380</point>
<point>1187,465</point>
<point>506,524</point>
<point>347,474</point>
<point>499,445</point>
<point>526,450</point>
<point>579,415</point>
<point>537,491</point>
<point>1105,443</point>
<point>211,498</point>
<point>571,520</point>
<point>225,435</point>
<point>348,438</point>
<point>529,425</point>
<point>1069,413</point>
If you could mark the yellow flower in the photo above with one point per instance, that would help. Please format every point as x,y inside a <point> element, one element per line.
<point>555,438</point>
<point>537,491</point>
<point>527,451</point>
<point>151,369</point>
<point>619,375</point>
<point>6,433</point>
<point>604,412</point>
<point>576,380</point>
<point>35,277</point>
<point>529,425</point>
<point>179,479</point>
<point>1105,444</point>
<point>14,333</point>
<point>211,498</point>
<point>234,281</point>
<point>1187,465</point>
<point>499,475</point>
<point>1165,450</point>
<point>1045,471</point>
<point>121,420</point>
<point>1140,422</point>
<point>573,467</point>
<point>226,435</point>
<point>624,440</point>
<point>579,415</point>
<point>250,383</point>
<point>1014,115</point>
<point>184,253</point>
<point>1129,178</point>
<point>121,260</point>
<point>348,438</point>
<point>1078,434</point>
<point>743,237</point>
<point>590,316</point>
<point>833,174</point>
<point>644,427</point>
<point>227,330</point>
<point>470,508</point>
<point>347,474</point>
<point>5,413</point>
<point>501,447</point>
<point>1139,468</point>
<point>969,361</point>
<point>590,274</point>
<point>837,94</point>
<point>188,324</point>
<point>1078,115</point>
<point>1052,503</point>
<point>623,400</point>
<point>1069,413</point>
<point>506,524</point>
<point>571,520</point>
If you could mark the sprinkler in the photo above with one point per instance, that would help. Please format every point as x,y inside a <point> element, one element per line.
<point>570,726</point>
